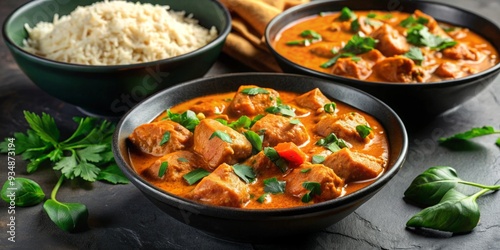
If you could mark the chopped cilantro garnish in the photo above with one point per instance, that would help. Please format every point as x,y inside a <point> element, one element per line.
<point>245,172</point>
<point>195,175</point>
<point>272,185</point>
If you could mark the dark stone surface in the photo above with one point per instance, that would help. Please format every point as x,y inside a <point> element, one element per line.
<point>121,217</point>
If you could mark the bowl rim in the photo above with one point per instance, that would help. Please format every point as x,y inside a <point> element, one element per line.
<point>250,214</point>
<point>221,36</point>
<point>443,83</point>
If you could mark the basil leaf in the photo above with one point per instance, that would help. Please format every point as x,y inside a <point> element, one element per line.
<point>363,130</point>
<point>429,187</point>
<point>195,175</point>
<point>254,91</point>
<point>67,216</point>
<point>332,143</point>
<point>24,192</point>
<point>242,122</point>
<point>163,169</point>
<point>245,172</point>
<point>188,119</point>
<point>272,185</point>
<point>222,135</point>
<point>165,138</point>
<point>282,109</point>
<point>456,213</point>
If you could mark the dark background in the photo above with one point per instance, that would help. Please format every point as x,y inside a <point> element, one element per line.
<point>121,217</point>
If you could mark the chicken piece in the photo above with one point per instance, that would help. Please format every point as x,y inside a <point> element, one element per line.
<point>209,109</point>
<point>343,126</point>
<point>349,68</point>
<point>354,166</point>
<point>178,163</point>
<point>262,164</point>
<point>251,105</point>
<point>313,99</point>
<point>277,128</point>
<point>372,57</point>
<point>331,184</point>
<point>364,25</point>
<point>148,137</point>
<point>222,187</point>
<point>216,151</point>
<point>448,70</point>
<point>461,52</point>
<point>390,42</point>
<point>399,69</point>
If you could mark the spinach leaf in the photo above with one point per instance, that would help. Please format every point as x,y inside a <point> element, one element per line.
<point>24,192</point>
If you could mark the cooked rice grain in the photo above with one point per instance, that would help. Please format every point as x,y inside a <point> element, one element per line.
<point>117,32</point>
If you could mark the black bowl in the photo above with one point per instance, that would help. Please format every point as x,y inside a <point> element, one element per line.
<point>259,225</point>
<point>415,101</point>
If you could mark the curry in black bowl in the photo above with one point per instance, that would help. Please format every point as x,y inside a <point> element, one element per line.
<point>259,148</point>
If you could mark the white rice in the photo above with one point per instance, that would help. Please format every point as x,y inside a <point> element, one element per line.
<point>117,32</point>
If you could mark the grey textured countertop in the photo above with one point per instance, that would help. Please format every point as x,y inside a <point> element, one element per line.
<point>122,218</point>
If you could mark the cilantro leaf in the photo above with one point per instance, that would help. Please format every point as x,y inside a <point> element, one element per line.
<point>415,54</point>
<point>188,119</point>
<point>314,189</point>
<point>245,172</point>
<point>272,185</point>
<point>419,35</point>
<point>254,91</point>
<point>112,174</point>
<point>44,126</point>
<point>332,143</point>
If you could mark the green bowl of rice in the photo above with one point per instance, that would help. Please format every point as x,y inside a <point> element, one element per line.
<point>106,56</point>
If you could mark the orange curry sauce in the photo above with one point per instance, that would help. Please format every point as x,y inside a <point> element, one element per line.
<point>377,147</point>
<point>335,34</point>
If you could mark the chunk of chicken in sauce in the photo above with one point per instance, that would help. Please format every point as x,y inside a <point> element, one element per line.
<point>277,128</point>
<point>152,137</point>
<point>214,149</point>
<point>222,187</point>
<point>343,126</point>
<point>252,104</point>
<point>331,184</point>
<point>353,166</point>
<point>176,165</point>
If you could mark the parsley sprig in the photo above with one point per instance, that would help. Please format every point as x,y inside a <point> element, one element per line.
<point>86,154</point>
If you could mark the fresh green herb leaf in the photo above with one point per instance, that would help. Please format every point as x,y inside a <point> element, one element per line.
<point>282,109</point>
<point>470,134</point>
<point>221,135</point>
<point>456,213</point>
<point>272,185</point>
<point>195,175</point>
<point>245,172</point>
<point>165,138</point>
<point>163,169</point>
<point>388,16</point>
<point>254,91</point>
<point>330,107</point>
<point>410,21</point>
<point>355,26</point>
<point>303,42</point>
<point>294,121</point>
<point>182,159</point>
<point>332,143</point>
<point>112,174</point>
<point>262,198</point>
<point>317,159</point>
<point>255,140</point>
<point>359,45</point>
<point>371,15</point>
<point>429,187</point>
<point>311,34</point>
<point>346,14</point>
<point>363,130</point>
<point>314,189</point>
<point>24,192</point>
<point>188,119</point>
<point>419,35</point>
<point>498,142</point>
<point>44,126</point>
<point>416,55</point>
<point>242,122</point>
<point>273,155</point>
<point>305,170</point>
<point>67,216</point>
<point>255,119</point>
